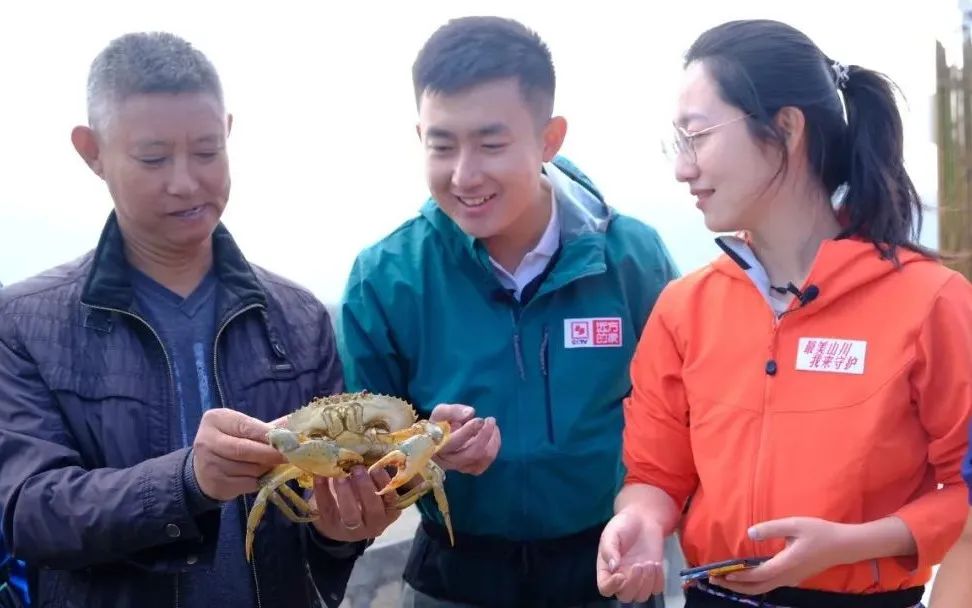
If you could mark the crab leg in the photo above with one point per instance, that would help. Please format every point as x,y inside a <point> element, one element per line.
<point>433,478</point>
<point>268,484</point>
<point>413,495</point>
<point>410,457</point>
<point>297,501</point>
<point>414,457</point>
<point>436,477</point>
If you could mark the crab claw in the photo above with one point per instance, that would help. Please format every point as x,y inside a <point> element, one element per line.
<point>409,459</point>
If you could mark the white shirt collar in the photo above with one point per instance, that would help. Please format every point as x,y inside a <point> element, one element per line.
<point>536,260</point>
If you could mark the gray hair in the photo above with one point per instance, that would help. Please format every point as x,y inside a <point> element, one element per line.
<point>146,62</point>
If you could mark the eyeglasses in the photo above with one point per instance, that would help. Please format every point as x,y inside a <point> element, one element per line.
<point>683,142</point>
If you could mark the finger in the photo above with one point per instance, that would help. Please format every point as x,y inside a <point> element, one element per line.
<point>475,447</point>
<point>609,550</point>
<point>347,503</point>
<point>648,583</point>
<point>634,580</point>
<point>234,468</point>
<point>776,566</point>
<point>493,447</point>
<point>654,582</point>
<point>492,444</point>
<point>608,583</point>
<point>744,588</point>
<point>324,499</point>
<point>609,578</point>
<point>776,528</point>
<point>279,422</point>
<point>381,478</point>
<point>459,438</point>
<point>497,437</point>
<point>454,413</point>
<point>237,424</point>
<point>371,505</point>
<point>245,450</point>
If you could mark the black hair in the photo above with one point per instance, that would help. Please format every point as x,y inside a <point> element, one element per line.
<point>763,66</point>
<point>470,51</point>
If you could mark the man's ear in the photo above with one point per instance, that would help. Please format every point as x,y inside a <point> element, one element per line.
<point>86,143</point>
<point>554,134</point>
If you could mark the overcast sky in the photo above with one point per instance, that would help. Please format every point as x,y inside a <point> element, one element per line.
<point>324,155</point>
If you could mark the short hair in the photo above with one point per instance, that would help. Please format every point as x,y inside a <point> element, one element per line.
<point>470,51</point>
<point>146,62</point>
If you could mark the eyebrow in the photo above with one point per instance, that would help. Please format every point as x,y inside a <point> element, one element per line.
<point>209,139</point>
<point>205,139</point>
<point>492,129</point>
<point>684,119</point>
<point>439,132</point>
<point>486,131</point>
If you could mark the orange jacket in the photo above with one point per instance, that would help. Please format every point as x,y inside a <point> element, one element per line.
<point>755,419</point>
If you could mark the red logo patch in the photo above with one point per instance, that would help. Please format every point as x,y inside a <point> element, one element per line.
<point>607,332</point>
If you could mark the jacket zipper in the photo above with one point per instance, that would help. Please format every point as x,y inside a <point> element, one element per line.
<point>168,362</point>
<point>757,515</point>
<point>517,343</point>
<point>168,365</point>
<point>222,403</point>
<point>545,371</point>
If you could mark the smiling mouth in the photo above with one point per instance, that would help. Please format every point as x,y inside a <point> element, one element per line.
<point>475,202</point>
<point>189,212</point>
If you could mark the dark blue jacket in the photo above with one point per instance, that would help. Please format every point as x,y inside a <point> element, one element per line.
<point>91,485</point>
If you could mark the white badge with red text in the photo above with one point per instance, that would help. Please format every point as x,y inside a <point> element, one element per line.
<point>592,333</point>
<point>834,355</point>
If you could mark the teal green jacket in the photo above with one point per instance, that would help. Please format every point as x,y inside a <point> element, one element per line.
<point>423,318</point>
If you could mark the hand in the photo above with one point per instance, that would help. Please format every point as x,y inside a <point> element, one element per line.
<point>629,558</point>
<point>349,508</point>
<point>230,453</point>
<point>812,546</point>
<point>473,443</point>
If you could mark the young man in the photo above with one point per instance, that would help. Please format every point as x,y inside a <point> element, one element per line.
<point>135,382</point>
<point>514,301</point>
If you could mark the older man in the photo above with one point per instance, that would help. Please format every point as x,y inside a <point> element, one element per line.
<point>135,381</point>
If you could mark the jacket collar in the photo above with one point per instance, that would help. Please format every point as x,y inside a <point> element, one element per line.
<point>109,285</point>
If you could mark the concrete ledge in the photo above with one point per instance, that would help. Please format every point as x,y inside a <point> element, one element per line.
<point>377,578</point>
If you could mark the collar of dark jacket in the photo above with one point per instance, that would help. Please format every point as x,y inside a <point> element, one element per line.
<point>109,283</point>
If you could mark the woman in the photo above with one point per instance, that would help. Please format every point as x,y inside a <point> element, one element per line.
<point>803,396</point>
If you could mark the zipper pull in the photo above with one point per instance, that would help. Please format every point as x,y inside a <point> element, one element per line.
<point>518,352</point>
<point>544,351</point>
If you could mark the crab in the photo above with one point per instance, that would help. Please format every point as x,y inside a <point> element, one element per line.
<point>330,435</point>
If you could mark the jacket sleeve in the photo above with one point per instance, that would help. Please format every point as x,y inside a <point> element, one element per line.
<point>657,448</point>
<point>645,265</point>
<point>667,270</point>
<point>661,272</point>
<point>366,342</point>
<point>942,392</point>
<point>57,513</point>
